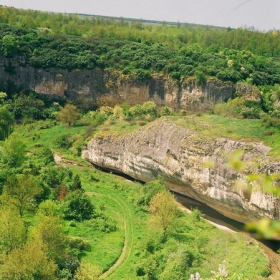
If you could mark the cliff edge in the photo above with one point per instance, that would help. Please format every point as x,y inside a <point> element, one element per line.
<point>182,156</point>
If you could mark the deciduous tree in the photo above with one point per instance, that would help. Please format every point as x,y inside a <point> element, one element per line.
<point>28,262</point>
<point>6,122</point>
<point>20,192</point>
<point>12,230</point>
<point>13,151</point>
<point>164,210</point>
<point>69,114</point>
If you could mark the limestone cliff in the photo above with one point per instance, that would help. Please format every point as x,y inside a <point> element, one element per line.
<point>90,86</point>
<point>181,157</point>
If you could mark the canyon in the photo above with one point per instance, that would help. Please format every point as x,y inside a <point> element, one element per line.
<point>162,148</point>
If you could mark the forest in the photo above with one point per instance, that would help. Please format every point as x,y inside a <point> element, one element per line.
<point>62,218</point>
<point>71,41</point>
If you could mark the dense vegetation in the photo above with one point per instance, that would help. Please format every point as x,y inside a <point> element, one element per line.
<point>67,221</point>
<point>69,41</point>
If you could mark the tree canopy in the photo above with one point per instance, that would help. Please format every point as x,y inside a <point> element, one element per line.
<point>90,42</point>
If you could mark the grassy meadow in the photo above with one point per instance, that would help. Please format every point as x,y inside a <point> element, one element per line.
<point>121,241</point>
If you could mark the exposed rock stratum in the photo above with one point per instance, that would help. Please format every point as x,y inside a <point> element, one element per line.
<point>181,157</point>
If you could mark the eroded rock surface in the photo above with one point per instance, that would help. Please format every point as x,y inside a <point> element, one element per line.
<point>182,156</point>
<point>97,85</point>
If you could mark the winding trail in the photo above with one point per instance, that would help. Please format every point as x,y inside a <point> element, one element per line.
<point>128,239</point>
<point>183,204</point>
<point>127,223</point>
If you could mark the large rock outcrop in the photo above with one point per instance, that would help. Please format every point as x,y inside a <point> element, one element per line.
<point>91,86</point>
<point>181,156</point>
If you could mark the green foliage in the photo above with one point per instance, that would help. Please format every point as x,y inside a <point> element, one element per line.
<point>27,107</point>
<point>166,111</point>
<point>239,107</point>
<point>70,42</point>
<point>12,230</point>
<point>142,195</point>
<point>77,184</point>
<point>149,108</point>
<point>69,114</point>
<point>6,123</point>
<point>20,192</point>
<point>46,155</point>
<point>9,45</point>
<point>3,96</point>
<point>200,78</point>
<point>136,111</point>
<point>28,262</point>
<point>78,206</point>
<point>63,141</point>
<point>164,211</point>
<point>142,75</point>
<point>13,151</point>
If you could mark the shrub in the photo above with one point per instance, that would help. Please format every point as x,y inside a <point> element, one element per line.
<point>78,206</point>
<point>167,111</point>
<point>63,141</point>
<point>200,78</point>
<point>142,75</point>
<point>136,111</point>
<point>106,110</point>
<point>150,108</point>
<point>118,112</point>
<point>46,155</point>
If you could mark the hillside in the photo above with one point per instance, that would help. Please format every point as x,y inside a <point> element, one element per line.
<point>193,109</point>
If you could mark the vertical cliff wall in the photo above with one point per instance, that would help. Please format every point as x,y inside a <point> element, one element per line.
<point>93,85</point>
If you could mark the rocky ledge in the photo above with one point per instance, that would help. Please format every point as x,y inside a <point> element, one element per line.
<point>191,165</point>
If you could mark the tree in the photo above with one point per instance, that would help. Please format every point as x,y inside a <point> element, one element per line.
<point>77,184</point>
<point>166,111</point>
<point>28,262</point>
<point>177,264</point>
<point>87,271</point>
<point>3,95</point>
<point>20,192</point>
<point>49,233</point>
<point>164,210</point>
<point>12,230</point>
<point>200,78</point>
<point>6,122</point>
<point>69,114</point>
<point>150,108</point>
<point>78,206</point>
<point>9,45</point>
<point>13,151</point>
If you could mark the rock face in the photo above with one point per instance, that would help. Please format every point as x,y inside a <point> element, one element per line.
<point>90,86</point>
<point>182,158</point>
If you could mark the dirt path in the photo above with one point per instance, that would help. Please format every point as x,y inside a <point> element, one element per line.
<point>128,240</point>
<point>127,225</point>
<point>128,233</point>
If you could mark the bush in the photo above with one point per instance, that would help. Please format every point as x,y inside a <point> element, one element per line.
<point>142,75</point>
<point>63,141</point>
<point>118,112</point>
<point>136,111</point>
<point>149,108</point>
<point>167,111</point>
<point>200,78</point>
<point>250,113</point>
<point>78,206</point>
<point>46,155</point>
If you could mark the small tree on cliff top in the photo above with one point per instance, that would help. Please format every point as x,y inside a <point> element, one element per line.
<point>69,114</point>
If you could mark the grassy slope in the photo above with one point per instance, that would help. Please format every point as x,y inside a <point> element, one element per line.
<point>112,194</point>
